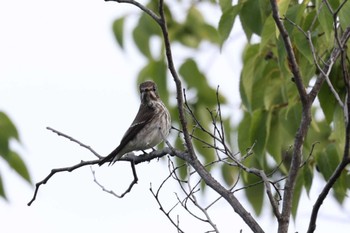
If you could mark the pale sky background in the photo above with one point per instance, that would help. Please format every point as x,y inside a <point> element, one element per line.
<point>60,66</point>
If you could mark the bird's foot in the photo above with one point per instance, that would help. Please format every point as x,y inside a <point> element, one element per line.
<point>144,153</point>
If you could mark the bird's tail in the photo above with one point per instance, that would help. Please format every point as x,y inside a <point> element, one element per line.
<point>109,158</point>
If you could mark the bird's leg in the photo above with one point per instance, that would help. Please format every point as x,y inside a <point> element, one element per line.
<point>144,152</point>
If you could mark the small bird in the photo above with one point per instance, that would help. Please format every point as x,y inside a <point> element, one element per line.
<point>150,126</point>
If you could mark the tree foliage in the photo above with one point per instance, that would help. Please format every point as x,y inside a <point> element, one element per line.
<point>294,88</point>
<point>8,133</point>
<point>270,100</point>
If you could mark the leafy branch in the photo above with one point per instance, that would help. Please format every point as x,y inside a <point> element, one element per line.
<point>307,101</point>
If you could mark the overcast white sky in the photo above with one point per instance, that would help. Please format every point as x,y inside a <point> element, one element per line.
<point>60,67</point>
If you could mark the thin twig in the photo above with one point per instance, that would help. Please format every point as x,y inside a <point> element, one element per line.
<point>326,69</point>
<point>167,214</point>
<point>283,220</point>
<point>58,170</point>
<point>142,7</point>
<point>133,182</point>
<point>74,140</point>
<point>325,74</point>
<point>290,53</point>
<point>128,157</point>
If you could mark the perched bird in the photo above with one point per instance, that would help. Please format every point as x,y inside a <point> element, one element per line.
<point>150,126</point>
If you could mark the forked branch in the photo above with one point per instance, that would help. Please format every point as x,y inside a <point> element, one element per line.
<point>132,158</point>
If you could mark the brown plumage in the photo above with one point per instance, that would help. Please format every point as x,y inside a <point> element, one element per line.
<point>151,124</point>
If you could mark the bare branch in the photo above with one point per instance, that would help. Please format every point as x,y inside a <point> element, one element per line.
<point>190,156</point>
<point>166,213</point>
<point>190,195</point>
<point>128,157</point>
<point>171,67</point>
<point>74,140</point>
<point>291,56</point>
<point>303,128</point>
<point>328,65</point>
<point>225,150</point>
<point>330,183</point>
<point>133,182</point>
<point>346,153</point>
<point>131,157</point>
<point>58,170</point>
<point>142,7</point>
<point>195,202</point>
<point>339,7</point>
<point>266,181</point>
<point>326,75</point>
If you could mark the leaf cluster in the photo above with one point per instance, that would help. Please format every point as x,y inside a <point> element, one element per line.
<point>9,133</point>
<point>270,100</point>
<point>272,107</point>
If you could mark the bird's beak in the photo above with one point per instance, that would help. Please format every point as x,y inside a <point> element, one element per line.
<point>148,95</point>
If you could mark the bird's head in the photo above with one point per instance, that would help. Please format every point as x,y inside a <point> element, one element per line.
<point>149,93</point>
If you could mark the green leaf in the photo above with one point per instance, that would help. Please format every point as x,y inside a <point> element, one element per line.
<point>226,22</point>
<point>225,4</point>
<point>202,116</point>
<point>282,60</point>
<point>142,33</point>
<point>327,102</point>
<point>141,39</point>
<point>278,141</point>
<point>194,30</point>
<point>308,176</point>
<point>229,174</point>
<point>255,193</point>
<point>275,140</point>
<point>335,4</point>
<point>195,79</point>
<point>268,33</point>
<point>290,118</point>
<point>118,29</point>
<point>8,131</point>
<point>340,188</point>
<point>19,166</point>
<point>259,132</point>
<point>250,58</point>
<point>344,16</point>
<point>275,90</point>
<point>191,74</point>
<point>253,15</point>
<point>306,68</point>
<point>258,84</point>
<point>302,44</point>
<point>283,6</point>
<point>7,128</point>
<point>338,134</point>
<point>4,145</point>
<point>328,160</point>
<point>2,190</point>
<point>244,142</point>
<point>297,194</point>
<point>209,33</point>
<point>325,19</point>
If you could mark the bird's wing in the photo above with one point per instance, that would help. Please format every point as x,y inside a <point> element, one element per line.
<point>144,115</point>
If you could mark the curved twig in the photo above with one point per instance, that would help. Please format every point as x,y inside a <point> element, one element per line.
<point>133,182</point>
<point>74,140</point>
<point>58,170</point>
